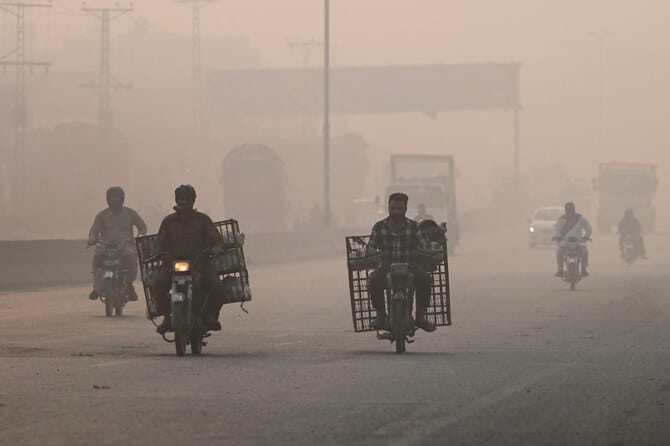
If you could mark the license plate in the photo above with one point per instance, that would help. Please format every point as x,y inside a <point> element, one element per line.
<point>178,297</point>
<point>108,274</point>
<point>572,260</point>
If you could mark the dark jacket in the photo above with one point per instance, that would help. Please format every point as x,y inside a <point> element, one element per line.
<point>185,234</point>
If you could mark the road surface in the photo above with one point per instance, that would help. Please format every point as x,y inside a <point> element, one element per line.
<point>526,362</point>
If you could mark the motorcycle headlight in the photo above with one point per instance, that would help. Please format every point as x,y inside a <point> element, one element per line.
<point>182,267</point>
<point>531,229</point>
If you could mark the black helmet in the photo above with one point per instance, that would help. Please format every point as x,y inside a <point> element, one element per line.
<point>184,191</point>
<point>570,206</point>
<point>116,191</point>
<point>628,213</point>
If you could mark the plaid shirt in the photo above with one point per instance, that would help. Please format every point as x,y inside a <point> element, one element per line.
<point>397,247</point>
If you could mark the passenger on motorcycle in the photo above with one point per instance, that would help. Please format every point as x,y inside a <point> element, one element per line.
<point>184,235</point>
<point>398,239</point>
<point>422,214</point>
<point>630,227</point>
<point>115,225</point>
<point>572,224</point>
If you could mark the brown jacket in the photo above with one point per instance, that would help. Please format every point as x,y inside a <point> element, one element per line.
<point>184,234</point>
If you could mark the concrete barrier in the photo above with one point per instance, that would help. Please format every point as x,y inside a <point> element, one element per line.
<point>40,263</point>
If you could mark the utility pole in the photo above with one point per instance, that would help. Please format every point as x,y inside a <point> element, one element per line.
<point>20,112</point>
<point>326,115</point>
<point>196,65</point>
<point>105,80</point>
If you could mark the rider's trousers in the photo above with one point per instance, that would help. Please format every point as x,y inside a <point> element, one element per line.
<point>377,285</point>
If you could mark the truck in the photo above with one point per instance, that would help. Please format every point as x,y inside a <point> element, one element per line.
<point>429,180</point>
<point>622,186</point>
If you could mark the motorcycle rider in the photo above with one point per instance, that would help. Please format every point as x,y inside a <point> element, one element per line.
<point>631,227</point>
<point>398,239</point>
<point>115,225</point>
<point>185,234</point>
<point>572,224</point>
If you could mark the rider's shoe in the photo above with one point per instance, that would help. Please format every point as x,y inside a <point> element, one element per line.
<point>559,273</point>
<point>132,295</point>
<point>380,321</point>
<point>585,273</point>
<point>93,295</point>
<point>424,324</point>
<point>211,324</point>
<point>165,326</point>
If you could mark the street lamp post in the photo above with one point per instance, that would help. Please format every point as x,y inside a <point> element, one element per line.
<point>326,115</point>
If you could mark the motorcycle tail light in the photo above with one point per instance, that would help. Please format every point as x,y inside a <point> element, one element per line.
<point>182,267</point>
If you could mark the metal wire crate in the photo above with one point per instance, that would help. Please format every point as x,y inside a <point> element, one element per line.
<point>359,268</point>
<point>230,266</point>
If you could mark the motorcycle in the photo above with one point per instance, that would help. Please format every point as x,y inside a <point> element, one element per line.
<point>572,261</point>
<point>187,322</point>
<point>400,326</point>
<point>399,297</point>
<point>629,251</point>
<point>114,293</point>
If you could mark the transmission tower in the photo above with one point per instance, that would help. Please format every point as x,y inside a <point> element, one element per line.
<point>105,80</point>
<point>20,112</point>
<point>198,118</point>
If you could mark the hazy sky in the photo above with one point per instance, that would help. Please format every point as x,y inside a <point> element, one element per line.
<point>385,31</point>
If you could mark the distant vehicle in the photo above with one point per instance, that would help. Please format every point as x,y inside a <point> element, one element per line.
<point>541,228</point>
<point>428,180</point>
<point>623,186</point>
<point>629,251</point>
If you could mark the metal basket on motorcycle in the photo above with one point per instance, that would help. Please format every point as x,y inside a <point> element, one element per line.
<point>360,265</point>
<point>230,266</point>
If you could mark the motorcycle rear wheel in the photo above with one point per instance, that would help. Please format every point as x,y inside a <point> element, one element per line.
<point>400,345</point>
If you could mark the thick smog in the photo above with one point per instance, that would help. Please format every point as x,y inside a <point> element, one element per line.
<point>300,222</point>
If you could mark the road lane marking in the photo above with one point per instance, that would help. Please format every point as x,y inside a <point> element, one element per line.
<point>115,362</point>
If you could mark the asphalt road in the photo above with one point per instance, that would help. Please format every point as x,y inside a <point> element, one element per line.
<point>526,362</point>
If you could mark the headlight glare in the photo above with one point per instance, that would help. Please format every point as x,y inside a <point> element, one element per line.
<point>182,267</point>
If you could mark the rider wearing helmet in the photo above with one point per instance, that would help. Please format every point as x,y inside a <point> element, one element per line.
<point>183,235</point>
<point>631,227</point>
<point>572,224</point>
<point>115,225</point>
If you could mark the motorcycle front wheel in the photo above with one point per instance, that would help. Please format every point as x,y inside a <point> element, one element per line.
<point>179,326</point>
<point>400,345</point>
<point>109,307</point>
